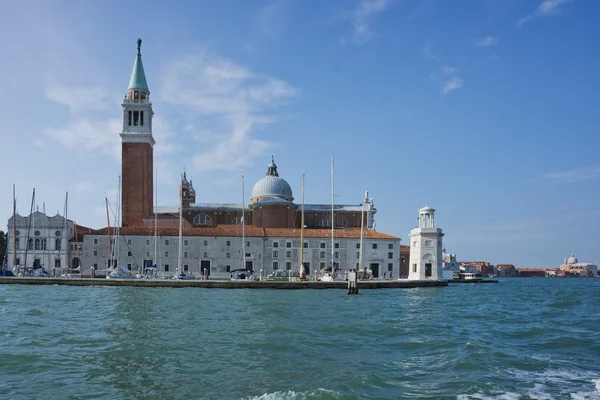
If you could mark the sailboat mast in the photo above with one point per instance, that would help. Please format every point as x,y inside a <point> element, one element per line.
<point>28,230</point>
<point>332,219</point>
<point>180,227</point>
<point>362,225</point>
<point>33,206</point>
<point>243,225</point>
<point>64,234</point>
<point>117,223</point>
<point>110,251</point>
<point>15,228</point>
<point>302,228</point>
<point>155,219</point>
<point>43,242</point>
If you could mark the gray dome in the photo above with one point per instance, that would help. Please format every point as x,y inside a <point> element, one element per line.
<point>272,186</point>
<point>572,259</point>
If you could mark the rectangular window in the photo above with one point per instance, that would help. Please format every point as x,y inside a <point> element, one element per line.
<point>248,254</point>
<point>166,254</point>
<point>129,119</point>
<point>185,254</point>
<point>205,254</point>
<point>345,222</point>
<point>136,118</point>
<point>206,242</point>
<point>288,254</point>
<point>18,261</point>
<point>356,265</point>
<point>403,260</point>
<point>306,245</point>
<point>141,118</point>
<point>390,255</point>
<point>95,241</point>
<point>374,246</point>
<point>247,243</point>
<point>390,246</point>
<point>128,254</point>
<point>414,267</point>
<point>288,245</point>
<point>390,267</point>
<point>185,267</point>
<point>185,242</point>
<point>275,244</point>
<point>166,267</point>
<point>428,269</point>
<point>166,242</point>
<point>336,254</point>
<point>228,268</point>
<point>227,255</point>
<point>322,245</point>
<point>358,245</point>
<point>147,254</point>
<point>129,242</point>
<point>322,254</point>
<point>275,254</point>
<point>129,267</point>
<point>428,243</point>
<point>358,254</point>
<point>322,265</point>
<point>275,265</point>
<point>288,265</point>
<point>95,253</point>
<point>336,245</point>
<point>147,242</point>
<point>228,243</point>
<point>95,265</point>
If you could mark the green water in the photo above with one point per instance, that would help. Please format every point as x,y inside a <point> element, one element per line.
<point>519,339</point>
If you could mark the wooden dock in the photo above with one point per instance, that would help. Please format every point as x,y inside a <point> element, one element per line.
<point>216,284</point>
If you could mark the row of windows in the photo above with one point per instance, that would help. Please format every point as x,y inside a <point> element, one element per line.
<point>38,244</point>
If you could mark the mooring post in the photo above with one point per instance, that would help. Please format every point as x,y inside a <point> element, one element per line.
<point>352,282</point>
<point>92,272</point>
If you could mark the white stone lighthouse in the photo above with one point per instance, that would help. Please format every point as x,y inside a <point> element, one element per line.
<point>426,248</point>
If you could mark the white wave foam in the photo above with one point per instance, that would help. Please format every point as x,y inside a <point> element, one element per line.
<point>291,395</point>
<point>595,395</point>
<point>497,396</point>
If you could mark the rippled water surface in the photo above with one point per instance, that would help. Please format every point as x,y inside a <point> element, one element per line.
<point>519,339</point>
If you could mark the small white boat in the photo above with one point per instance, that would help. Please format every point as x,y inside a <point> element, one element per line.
<point>120,273</point>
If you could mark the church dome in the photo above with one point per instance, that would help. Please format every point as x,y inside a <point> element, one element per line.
<point>271,186</point>
<point>572,259</point>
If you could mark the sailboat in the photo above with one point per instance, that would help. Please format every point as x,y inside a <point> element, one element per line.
<point>116,271</point>
<point>180,274</point>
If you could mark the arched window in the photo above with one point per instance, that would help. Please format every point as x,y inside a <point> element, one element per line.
<point>57,244</point>
<point>202,219</point>
<point>237,221</point>
<point>37,244</point>
<point>17,243</point>
<point>44,244</point>
<point>30,244</point>
<point>324,223</point>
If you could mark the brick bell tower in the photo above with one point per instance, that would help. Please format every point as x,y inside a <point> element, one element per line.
<point>137,148</point>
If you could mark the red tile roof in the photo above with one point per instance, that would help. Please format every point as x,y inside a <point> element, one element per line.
<point>251,231</point>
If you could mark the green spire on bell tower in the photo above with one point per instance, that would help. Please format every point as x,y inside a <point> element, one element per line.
<point>138,77</point>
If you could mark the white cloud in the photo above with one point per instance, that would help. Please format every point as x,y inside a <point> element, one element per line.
<point>428,52</point>
<point>240,100</point>
<point>487,41</point>
<point>545,9</point>
<point>363,16</point>
<point>573,175</point>
<point>452,85</point>
<point>82,133</point>
<point>78,98</point>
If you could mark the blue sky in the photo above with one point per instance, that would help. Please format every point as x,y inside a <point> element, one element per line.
<point>485,110</point>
